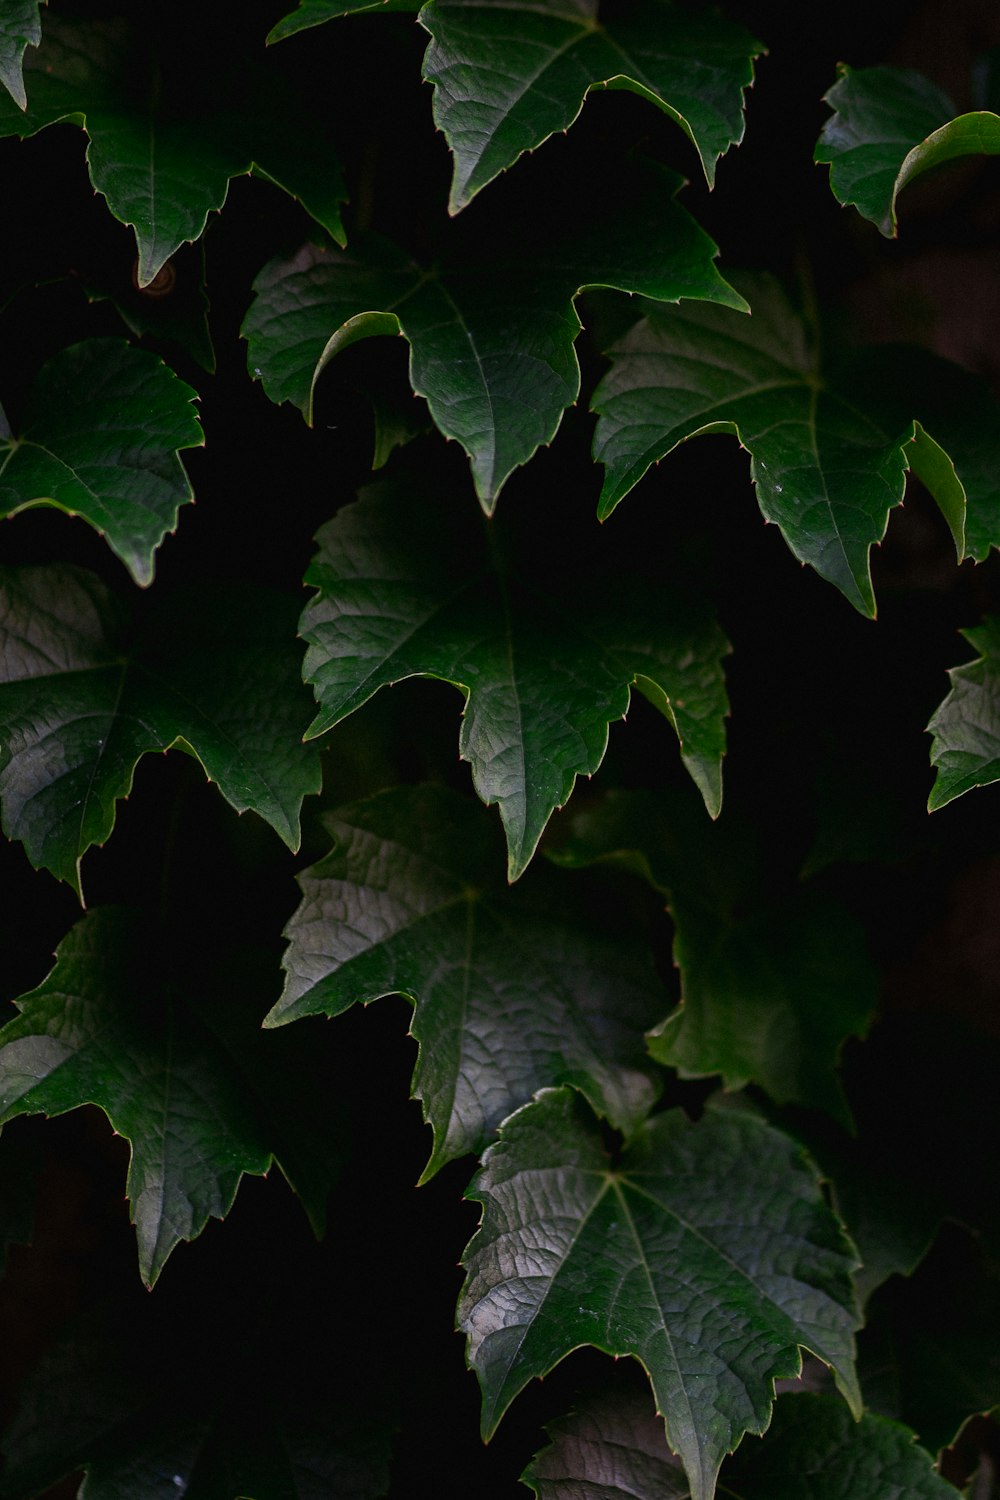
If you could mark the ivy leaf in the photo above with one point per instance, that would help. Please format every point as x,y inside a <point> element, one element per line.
<point>774,976</point>
<point>20,28</point>
<point>827,464</point>
<point>164,141</point>
<point>707,1253</point>
<point>545,662</point>
<point>507,77</point>
<point>890,125</point>
<point>966,726</point>
<point>533,987</point>
<point>100,439</point>
<point>613,1446</point>
<point>491,332</point>
<point>80,702</point>
<point>315,12</point>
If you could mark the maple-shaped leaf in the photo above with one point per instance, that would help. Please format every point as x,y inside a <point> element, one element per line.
<point>491,326</point>
<point>164,139</point>
<point>890,125</point>
<point>506,77</point>
<point>100,439</point>
<point>774,976</point>
<point>613,1446</point>
<point>83,696</point>
<point>315,12</point>
<point>829,447</point>
<point>966,726</point>
<point>511,990</point>
<point>545,657</point>
<point>20,28</point>
<point>706,1251</point>
<point>181,1069</point>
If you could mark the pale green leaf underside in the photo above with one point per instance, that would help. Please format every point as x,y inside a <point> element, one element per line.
<point>315,12</point>
<point>708,1254</point>
<point>101,438</point>
<point>889,126</point>
<point>92,1033</point>
<point>508,75</point>
<point>410,587</point>
<point>613,1448</point>
<point>827,465</point>
<point>162,169</point>
<point>20,28</point>
<point>966,727</point>
<point>78,707</point>
<point>529,990</point>
<point>491,337</point>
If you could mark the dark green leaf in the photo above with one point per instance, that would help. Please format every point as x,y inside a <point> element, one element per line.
<point>510,991</point>
<point>506,77</point>
<point>162,150</point>
<point>19,1171</point>
<point>545,661</point>
<point>491,332</point>
<point>613,1448</point>
<point>100,439</point>
<point>20,28</point>
<point>966,726</point>
<point>890,125</point>
<point>774,977</point>
<point>173,307</point>
<point>828,467</point>
<point>315,12</point>
<point>80,703</point>
<point>707,1253</point>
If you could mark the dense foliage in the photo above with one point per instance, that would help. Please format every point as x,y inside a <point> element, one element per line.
<point>700,1009</point>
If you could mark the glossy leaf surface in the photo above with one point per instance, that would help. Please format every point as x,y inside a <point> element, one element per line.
<point>100,439</point>
<point>889,126</point>
<point>508,76</point>
<point>707,1253</point>
<point>83,696</point>
<point>315,12</point>
<point>532,987</point>
<point>828,466</point>
<point>545,659</point>
<point>491,331</point>
<point>966,727</point>
<point>20,28</point>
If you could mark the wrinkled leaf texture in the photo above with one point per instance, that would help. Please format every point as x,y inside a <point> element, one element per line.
<point>707,1252</point>
<point>965,747</point>
<point>20,28</point>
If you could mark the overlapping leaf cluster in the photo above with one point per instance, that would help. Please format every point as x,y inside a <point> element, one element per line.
<point>641,1036</point>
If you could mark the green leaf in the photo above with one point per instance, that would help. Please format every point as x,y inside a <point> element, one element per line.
<point>827,465</point>
<point>545,662</point>
<point>173,307</point>
<point>20,28</point>
<point>82,698</point>
<point>315,12</point>
<point>889,126</point>
<point>491,330</point>
<point>164,140</point>
<point>966,726</point>
<point>707,1253</point>
<point>100,439</point>
<point>613,1446</point>
<point>506,77</point>
<point>510,991</point>
<point>775,976</point>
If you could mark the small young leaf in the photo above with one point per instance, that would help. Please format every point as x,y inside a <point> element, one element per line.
<point>315,12</point>
<point>162,150</point>
<point>491,332</point>
<point>545,661</point>
<point>20,28</point>
<point>506,77</point>
<point>966,726</point>
<point>890,125</point>
<point>531,990</point>
<point>708,1254</point>
<point>79,704</point>
<point>101,439</point>
<point>829,448</point>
